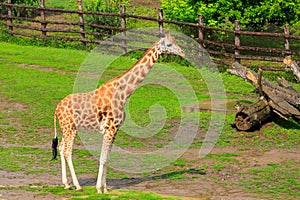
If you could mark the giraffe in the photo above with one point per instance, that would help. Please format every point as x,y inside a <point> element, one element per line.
<point>103,110</point>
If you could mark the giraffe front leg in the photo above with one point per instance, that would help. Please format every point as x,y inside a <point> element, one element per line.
<point>101,180</point>
<point>105,189</point>
<point>104,158</point>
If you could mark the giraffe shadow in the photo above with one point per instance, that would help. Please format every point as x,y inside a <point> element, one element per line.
<point>119,183</point>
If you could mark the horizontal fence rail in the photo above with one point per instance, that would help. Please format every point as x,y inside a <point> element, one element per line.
<point>80,30</point>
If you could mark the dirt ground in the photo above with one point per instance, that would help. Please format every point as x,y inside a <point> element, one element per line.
<point>194,188</point>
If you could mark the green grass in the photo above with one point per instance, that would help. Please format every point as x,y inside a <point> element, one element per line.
<point>218,167</point>
<point>39,77</point>
<point>181,174</point>
<point>43,57</point>
<point>277,179</point>
<point>34,79</point>
<point>38,90</point>
<point>65,4</point>
<point>222,161</point>
<point>89,193</point>
<point>36,160</point>
<point>179,162</point>
<point>224,158</point>
<point>27,75</point>
<point>25,159</point>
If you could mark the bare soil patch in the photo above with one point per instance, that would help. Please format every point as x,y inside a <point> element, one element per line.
<point>24,195</point>
<point>45,69</point>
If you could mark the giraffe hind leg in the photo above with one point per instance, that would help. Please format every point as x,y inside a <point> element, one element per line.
<point>68,157</point>
<point>63,167</point>
<point>74,178</point>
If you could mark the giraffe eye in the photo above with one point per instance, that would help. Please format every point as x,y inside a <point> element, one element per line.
<point>169,45</point>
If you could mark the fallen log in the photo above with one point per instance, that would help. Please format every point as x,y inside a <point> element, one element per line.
<point>252,116</point>
<point>292,97</point>
<point>282,100</point>
<point>283,83</point>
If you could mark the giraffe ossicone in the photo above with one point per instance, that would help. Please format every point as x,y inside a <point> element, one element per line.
<point>103,110</point>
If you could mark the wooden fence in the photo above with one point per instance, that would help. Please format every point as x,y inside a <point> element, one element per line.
<point>80,30</point>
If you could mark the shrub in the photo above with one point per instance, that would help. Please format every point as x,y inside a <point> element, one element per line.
<point>253,15</point>
<point>110,6</point>
<point>23,12</point>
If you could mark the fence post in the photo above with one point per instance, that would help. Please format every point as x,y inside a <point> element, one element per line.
<point>43,18</point>
<point>200,29</point>
<point>9,13</point>
<point>123,26</point>
<point>287,43</point>
<point>81,22</point>
<point>160,23</point>
<point>237,41</point>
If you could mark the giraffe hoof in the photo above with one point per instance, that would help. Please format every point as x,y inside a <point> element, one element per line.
<point>99,191</point>
<point>67,187</point>
<point>79,190</point>
<point>103,190</point>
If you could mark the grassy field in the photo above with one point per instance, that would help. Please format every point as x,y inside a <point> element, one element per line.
<point>34,79</point>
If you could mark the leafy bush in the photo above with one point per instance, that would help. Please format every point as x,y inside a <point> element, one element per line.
<point>22,12</point>
<point>110,6</point>
<point>254,15</point>
<point>295,28</point>
<point>26,2</point>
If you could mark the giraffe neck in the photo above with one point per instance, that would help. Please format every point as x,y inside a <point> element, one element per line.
<point>130,80</point>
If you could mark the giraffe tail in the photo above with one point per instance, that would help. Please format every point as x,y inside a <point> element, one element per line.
<point>54,141</point>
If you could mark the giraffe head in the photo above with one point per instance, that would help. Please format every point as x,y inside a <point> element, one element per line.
<point>168,45</point>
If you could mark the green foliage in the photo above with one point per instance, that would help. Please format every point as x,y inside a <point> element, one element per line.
<point>5,36</point>
<point>23,12</point>
<point>110,6</point>
<point>252,14</point>
<point>295,28</point>
<point>180,10</point>
<point>24,2</point>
